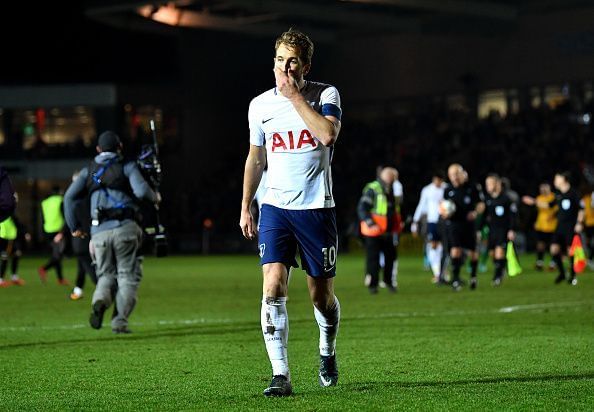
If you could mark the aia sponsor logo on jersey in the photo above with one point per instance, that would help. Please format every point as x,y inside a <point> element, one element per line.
<point>293,142</point>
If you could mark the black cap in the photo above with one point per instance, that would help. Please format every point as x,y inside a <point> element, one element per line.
<point>109,141</point>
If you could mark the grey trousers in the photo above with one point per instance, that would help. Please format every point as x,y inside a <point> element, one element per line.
<point>117,268</point>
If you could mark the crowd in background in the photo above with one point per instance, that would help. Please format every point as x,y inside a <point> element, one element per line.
<point>527,147</point>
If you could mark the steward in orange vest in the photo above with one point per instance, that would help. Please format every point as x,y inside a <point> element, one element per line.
<point>378,215</point>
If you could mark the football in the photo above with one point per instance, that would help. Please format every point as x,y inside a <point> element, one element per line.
<point>447,208</point>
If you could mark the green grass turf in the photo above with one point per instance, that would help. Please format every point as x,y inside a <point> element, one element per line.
<point>197,343</point>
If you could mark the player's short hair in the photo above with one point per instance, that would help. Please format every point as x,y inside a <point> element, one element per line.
<point>565,175</point>
<point>494,176</point>
<point>299,41</point>
<point>439,174</point>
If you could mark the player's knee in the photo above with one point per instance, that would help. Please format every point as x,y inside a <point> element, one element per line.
<point>322,295</point>
<point>324,303</point>
<point>275,279</point>
<point>274,289</point>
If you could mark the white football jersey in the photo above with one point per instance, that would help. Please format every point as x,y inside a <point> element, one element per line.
<point>398,189</point>
<point>299,175</point>
<point>428,205</point>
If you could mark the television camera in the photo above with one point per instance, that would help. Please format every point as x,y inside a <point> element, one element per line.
<point>150,167</point>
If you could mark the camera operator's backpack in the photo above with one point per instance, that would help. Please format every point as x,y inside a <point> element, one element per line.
<point>7,199</point>
<point>108,175</point>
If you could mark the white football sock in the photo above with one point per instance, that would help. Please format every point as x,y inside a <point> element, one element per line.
<point>328,324</point>
<point>275,328</point>
<point>434,256</point>
<point>395,274</point>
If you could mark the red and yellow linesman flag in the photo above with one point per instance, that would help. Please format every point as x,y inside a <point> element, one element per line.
<point>579,256</point>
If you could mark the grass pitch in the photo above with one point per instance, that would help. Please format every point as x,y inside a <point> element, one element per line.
<point>197,344</point>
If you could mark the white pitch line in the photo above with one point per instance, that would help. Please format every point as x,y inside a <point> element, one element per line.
<point>56,327</point>
<point>204,321</point>
<point>421,314</point>
<point>85,325</point>
<point>539,306</point>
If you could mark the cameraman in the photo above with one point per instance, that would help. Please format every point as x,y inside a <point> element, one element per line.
<point>114,188</point>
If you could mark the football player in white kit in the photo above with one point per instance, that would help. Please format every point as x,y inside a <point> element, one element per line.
<point>293,128</point>
<point>431,196</point>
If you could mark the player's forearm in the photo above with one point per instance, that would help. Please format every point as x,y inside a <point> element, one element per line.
<point>421,209</point>
<point>323,129</point>
<point>580,218</point>
<point>417,215</point>
<point>364,209</point>
<point>251,179</point>
<point>512,222</point>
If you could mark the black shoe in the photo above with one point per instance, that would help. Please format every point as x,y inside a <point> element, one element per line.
<point>121,330</point>
<point>392,289</point>
<point>559,279</point>
<point>373,290</point>
<point>279,386</point>
<point>572,281</point>
<point>96,319</point>
<point>456,286</point>
<point>473,283</point>
<point>328,371</point>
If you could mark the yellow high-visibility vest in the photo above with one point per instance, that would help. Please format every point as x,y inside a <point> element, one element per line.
<point>53,220</point>
<point>8,229</point>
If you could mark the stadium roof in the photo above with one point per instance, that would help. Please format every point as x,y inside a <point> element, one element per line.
<point>325,19</point>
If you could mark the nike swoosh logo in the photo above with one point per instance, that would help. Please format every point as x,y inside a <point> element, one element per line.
<point>267,120</point>
<point>325,382</point>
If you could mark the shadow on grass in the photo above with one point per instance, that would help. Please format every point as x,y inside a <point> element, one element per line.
<point>194,330</point>
<point>375,386</point>
<point>147,334</point>
<point>381,387</point>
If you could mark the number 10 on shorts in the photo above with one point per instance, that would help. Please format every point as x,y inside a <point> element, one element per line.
<point>329,257</point>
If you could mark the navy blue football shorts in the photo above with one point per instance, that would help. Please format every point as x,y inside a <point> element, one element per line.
<point>313,231</point>
<point>433,234</point>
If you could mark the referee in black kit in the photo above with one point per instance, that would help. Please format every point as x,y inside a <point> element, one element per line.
<point>460,226</point>
<point>570,219</point>
<point>500,213</point>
